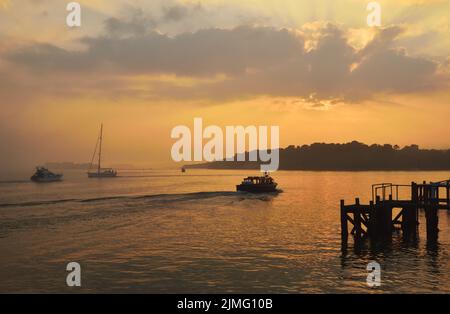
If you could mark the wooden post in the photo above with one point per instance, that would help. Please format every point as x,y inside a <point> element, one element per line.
<point>420,193</point>
<point>388,219</point>
<point>378,217</point>
<point>384,218</point>
<point>372,220</point>
<point>448,195</point>
<point>415,200</point>
<point>414,192</point>
<point>409,221</point>
<point>431,214</point>
<point>357,219</point>
<point>344,225</point>
<point>426,194</point>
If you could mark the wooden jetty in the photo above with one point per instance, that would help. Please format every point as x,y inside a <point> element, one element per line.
<point>376,220</point>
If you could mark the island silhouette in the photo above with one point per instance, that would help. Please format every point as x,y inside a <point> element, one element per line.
<point>352,156</point>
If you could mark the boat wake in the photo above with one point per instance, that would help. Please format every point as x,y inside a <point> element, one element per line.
<point>14,181</point>
<point>52,213</point>
<point>181,197</point>
<point>36,203</point>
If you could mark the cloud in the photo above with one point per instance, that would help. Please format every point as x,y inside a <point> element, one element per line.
<point>252,60</point>
<point>394,71</point>
<point>178,12</point>
<point>137,23</point>
<point>206,52</point>
<point>384,38</point>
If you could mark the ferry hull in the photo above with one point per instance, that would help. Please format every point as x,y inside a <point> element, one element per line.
<point>256,188</point>
<point>37,179</point>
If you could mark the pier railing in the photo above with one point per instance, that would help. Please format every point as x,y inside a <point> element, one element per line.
<point>385,190</point>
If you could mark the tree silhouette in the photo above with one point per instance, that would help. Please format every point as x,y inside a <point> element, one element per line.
<point>349,156</point>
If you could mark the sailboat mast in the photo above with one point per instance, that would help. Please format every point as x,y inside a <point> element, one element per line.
<point>100,149</point>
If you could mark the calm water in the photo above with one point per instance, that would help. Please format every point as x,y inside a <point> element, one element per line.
<point>161,231</point>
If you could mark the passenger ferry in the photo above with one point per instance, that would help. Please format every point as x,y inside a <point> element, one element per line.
<point>264,184</point>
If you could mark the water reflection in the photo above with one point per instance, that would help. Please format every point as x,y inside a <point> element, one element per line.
<point>399,258</point>
<point>195,234</point>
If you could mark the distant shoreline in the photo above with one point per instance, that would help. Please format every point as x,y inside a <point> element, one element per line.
<point>324,170</point>
<point>208,167</point>
<point>353,156</point>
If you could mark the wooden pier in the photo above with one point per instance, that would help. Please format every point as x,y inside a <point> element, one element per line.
<point>396,207</point>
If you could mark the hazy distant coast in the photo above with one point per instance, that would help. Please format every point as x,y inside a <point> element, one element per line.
<point>354,156</point>
<point>68,165</point>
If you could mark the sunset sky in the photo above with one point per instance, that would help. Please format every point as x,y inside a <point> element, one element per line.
<point>142,67</point>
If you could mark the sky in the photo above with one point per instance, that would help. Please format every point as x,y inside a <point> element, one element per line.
<point>313,68</point>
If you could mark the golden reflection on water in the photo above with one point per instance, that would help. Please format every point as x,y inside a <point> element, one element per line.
<point>193,233</point>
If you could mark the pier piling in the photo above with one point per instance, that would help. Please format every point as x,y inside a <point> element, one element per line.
<point>344,224</point>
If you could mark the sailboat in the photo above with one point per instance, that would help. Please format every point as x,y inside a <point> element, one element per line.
<point>100,173</point>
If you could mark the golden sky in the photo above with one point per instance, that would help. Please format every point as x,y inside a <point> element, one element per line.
<point>142,67</point>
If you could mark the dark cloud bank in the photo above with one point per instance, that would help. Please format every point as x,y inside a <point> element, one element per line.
<point>255,61</point>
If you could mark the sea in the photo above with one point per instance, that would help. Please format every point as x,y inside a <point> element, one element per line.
<point>163,231</point>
